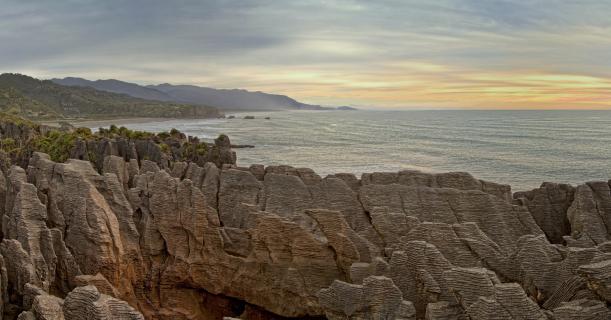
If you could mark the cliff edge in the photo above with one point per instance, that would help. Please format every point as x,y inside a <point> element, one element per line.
<point>131,238</point>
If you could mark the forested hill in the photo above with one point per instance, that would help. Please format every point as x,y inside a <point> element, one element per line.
<point>26,96</point>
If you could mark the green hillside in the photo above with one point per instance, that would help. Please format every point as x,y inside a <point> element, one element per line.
<point>33,98</point>
<point>13,102</point>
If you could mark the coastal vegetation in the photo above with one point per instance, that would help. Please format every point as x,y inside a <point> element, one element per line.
<point>21,137</point>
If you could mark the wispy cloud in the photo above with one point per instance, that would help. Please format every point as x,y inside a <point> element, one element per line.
<point>389,53</point>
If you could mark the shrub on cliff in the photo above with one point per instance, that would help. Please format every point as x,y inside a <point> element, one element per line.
<point>122,132</point>
<point>194,149</point>
<point>57,144</point>
<point>19,138</point>
<point>17,120</point>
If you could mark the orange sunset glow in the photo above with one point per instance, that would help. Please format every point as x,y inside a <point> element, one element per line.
<point>370,54</point>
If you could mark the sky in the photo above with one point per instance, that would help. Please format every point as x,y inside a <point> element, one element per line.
<point>482,54</point>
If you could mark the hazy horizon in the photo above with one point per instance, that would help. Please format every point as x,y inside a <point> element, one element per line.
<point>387,54</point>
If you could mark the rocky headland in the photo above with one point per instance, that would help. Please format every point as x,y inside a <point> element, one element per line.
<point>124,225</point>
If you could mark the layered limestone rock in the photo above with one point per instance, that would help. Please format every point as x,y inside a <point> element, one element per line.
<point>376,298</point>
<point>453,180</point>
<point>96,150</point>
<point>192,241</point>
<point>82,303</point>
<point>598,277</point>
<point>590,214</point>
<point>548,206</point>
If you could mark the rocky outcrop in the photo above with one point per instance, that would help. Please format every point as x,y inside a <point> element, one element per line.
<point>590,213</point>
<point>548,206</point>
<point>189,241</point>
<point>82,303</point>
<point>21,138</point>
<point>598,278</point>
<point>161,151</point>
<point>376,298</point>
<point>454,180</point>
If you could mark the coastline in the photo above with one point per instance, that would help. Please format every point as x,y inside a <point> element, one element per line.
<point>106,122</point>
<point>485,144</point>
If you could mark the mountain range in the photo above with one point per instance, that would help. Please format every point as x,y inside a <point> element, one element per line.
<point>33,98</point>
<point>225,99</point>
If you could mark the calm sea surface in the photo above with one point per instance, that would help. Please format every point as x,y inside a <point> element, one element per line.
<point>521,148</point>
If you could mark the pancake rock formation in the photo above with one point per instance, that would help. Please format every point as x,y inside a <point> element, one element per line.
<point>134,240</point>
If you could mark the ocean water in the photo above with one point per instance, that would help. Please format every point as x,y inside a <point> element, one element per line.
<point>521,148</point>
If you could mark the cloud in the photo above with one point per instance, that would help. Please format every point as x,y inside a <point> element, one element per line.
<point>393,53</point>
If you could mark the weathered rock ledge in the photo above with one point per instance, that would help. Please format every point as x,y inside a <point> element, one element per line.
<point>202,242</point>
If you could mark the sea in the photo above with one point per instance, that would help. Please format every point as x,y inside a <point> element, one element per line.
<point>520,148</point>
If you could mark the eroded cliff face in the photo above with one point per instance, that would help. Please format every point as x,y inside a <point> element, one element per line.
<point>202,242</point>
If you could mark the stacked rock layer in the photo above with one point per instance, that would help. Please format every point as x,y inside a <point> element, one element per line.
<point>200,242</point>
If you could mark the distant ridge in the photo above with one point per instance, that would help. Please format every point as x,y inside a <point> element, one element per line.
<point>235,99</point>
<point>346,108</point>
<point>29,97</point>
<point>116,86</point>
<point>226,99</point>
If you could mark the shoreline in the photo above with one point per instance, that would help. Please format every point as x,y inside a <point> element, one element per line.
<point>109,121</point>
<point>106,121</point>
<point>136,120</point>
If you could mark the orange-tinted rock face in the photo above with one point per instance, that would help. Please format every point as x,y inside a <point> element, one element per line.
<point>192,242</point>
